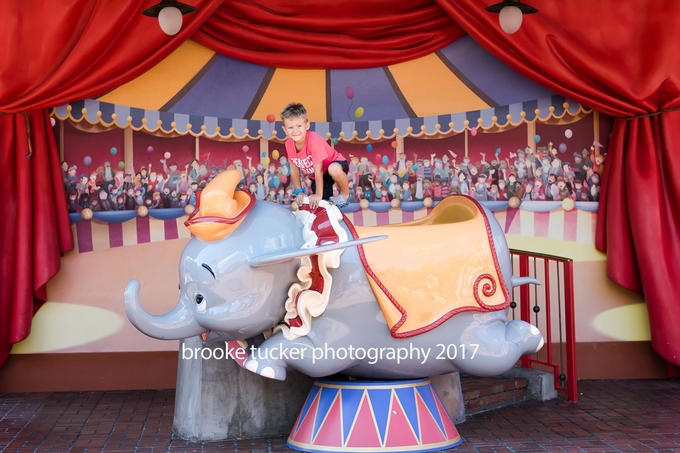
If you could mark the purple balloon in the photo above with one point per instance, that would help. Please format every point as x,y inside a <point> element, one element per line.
<point>562,148</point>
<point>349,92</point>
<point>149,149</point>
<point>87,161</point>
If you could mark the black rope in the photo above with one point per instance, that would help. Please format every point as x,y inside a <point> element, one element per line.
<point>646,115</point>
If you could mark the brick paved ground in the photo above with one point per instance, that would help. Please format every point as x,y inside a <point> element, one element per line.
<point>611,416</point>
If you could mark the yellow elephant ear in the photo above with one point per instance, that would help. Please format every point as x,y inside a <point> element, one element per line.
<point>221,208</point>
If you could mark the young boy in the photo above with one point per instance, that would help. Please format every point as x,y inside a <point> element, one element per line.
<point>310,155</point>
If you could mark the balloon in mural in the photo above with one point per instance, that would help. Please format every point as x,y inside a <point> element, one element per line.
<point>264,153</point>
<point>498,150</point>
<point>473,131</point>
<point>271,118</point>
<point>87,160</point>
<point>401,172</point>
<point>170,20</point>
<point>378,159</point>
<point>394,144</point>
<point>121,165</point>
<point>167,155</point>
<point>415,167</point>
<point>265,161</point>
<point>149,149</point>
<point>114,151</point>
<point>568,133</point>
<point>359,112</point>
<point>349,92</point>
<point>537,138</point>
<point>369,148</point>
<point>284,179</point>
<point>245,148</point>
<point>277,181</point>
<point>385,160</point>
<point>275,154</point>
<point>335,141</point>
<point>562,148</point>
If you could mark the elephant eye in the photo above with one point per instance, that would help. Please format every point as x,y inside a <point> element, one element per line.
<point>199,299</point>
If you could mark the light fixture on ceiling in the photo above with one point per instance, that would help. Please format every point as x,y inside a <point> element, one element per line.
<point>169,14</point>
<point>511,12</point>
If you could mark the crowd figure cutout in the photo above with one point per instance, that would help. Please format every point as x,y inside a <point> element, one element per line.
<point>541,175</point>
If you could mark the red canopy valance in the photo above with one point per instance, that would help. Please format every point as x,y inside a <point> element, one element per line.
<point>343,34</point>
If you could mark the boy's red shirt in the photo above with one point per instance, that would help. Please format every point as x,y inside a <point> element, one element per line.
<point>316,150</point>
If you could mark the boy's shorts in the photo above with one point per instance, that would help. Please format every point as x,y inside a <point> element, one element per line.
<point>328,180</point>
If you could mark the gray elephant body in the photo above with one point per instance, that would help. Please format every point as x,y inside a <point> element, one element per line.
<point>223,294</point>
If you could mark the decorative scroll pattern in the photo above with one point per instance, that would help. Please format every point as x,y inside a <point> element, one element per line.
<point>488,290</point>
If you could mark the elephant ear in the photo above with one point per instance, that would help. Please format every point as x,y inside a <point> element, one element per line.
<point>221,208</point>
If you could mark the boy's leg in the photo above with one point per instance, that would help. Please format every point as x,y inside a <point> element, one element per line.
<point>327,186</point>
<point>338,171</point>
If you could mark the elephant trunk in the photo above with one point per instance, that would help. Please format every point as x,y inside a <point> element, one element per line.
<point>178,323</point>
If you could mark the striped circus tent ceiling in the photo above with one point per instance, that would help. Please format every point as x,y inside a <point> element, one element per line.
<point>195,90</point>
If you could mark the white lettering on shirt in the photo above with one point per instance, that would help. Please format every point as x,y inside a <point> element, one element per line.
<point>306,165</point>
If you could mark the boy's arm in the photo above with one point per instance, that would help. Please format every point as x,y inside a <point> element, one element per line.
<point>295,176</point>
<point>318,178</point>
<point>298,194</point>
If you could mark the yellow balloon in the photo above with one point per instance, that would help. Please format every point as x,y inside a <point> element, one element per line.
<point>359,112</point>
<point>275,154</point>
<point>401,172</point>
<point>265,161</point>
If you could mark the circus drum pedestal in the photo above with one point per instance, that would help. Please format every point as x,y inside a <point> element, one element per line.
<point>369,416</point>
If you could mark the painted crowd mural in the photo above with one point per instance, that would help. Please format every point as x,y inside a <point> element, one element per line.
<point>556,163</point>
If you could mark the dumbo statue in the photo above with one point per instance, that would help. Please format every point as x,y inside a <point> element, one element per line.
<point>311,291</point>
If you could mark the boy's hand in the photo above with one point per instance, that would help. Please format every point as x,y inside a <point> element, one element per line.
<point>300,198</point>
<point>314,201</point>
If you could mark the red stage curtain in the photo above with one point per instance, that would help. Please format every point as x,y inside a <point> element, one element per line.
<point>621,59</point>
<point>60,52</point>
<point>35,228</point>
<point>344,34</point>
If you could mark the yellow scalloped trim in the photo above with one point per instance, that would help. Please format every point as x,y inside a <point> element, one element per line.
<point>551,118</point>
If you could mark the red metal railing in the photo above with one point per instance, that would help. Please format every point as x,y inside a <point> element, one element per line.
<point>555,301</point>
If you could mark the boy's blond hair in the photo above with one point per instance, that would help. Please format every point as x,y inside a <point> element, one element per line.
<point>294,110</point>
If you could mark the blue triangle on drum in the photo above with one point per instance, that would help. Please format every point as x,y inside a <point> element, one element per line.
<point>351,399</point>
<point>325,401</point>
<point>407,398</point>
<point>380,404</point>
<point>425,391</point>
<point>308,403</point>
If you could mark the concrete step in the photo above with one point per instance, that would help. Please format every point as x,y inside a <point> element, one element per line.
<point>483,394</point>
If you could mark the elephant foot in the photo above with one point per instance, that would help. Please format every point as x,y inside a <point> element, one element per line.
<point>526,335</point>
<point>265,368</point>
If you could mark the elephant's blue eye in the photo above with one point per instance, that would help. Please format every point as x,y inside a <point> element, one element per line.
<point>199,299</point>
